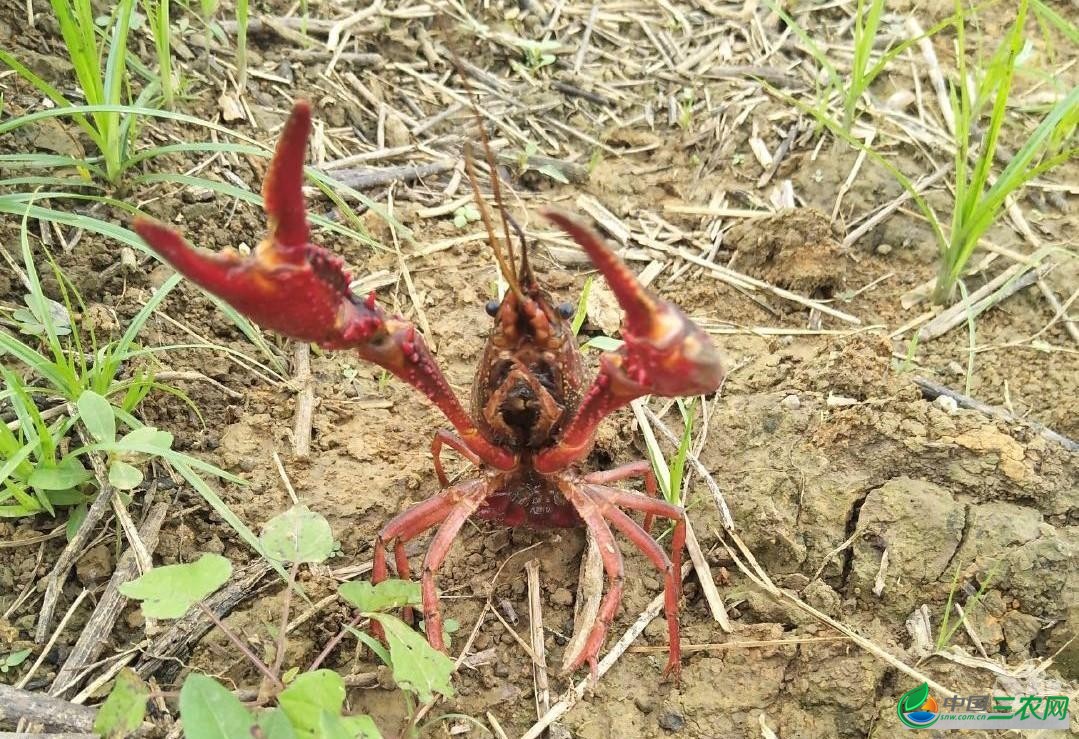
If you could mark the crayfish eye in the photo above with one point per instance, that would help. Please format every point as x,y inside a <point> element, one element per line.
<point>565,310</point>
<point>492,308</point>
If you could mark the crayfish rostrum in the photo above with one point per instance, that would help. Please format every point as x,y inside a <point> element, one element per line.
<point>533,419</point>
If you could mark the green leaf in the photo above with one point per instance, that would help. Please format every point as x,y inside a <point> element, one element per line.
<point>331,726</point>
<point>168,592</point>
<point>417,666</point>
<point>913,699</point>
<point>145,438</point>
<point>386,596</point>
<point>15,658</point>
<point>309,695</point>
<point>97,415</point>
<point>67,474</point>
<point>603,343</point>
<point>124,709</point>
<point>74,521</point>
<point>275,725</point>
<point>123,476</point>
<point>372,643</point>
<point>209,711</point>
<point>298,535</point>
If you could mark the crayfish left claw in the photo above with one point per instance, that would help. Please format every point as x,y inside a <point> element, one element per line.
<point>665,353</point>
<point>288,285</point>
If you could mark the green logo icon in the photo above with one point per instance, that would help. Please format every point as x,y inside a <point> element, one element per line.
<point>917,709</point>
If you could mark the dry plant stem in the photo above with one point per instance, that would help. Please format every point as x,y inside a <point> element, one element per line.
<point>535,629</point>
<point>242,646</point>
<point>560,709</point>
<point>182,634</point>
<point>891,207</point>
<point>66,735</point>
<point>52,640</point>
<point>368,177</point>
<point>704,576</point>
<point>16,704</point>
<point>305,401</point>
<point>936,76</point>
<point>1070,325</point>
<point>760,578</point>
<point>589,595</point>
<point>496,727</point>
<point>713,487</point>
<point>55,582</point>
<point>1007,283</point>
<point>332,644</point>
<point>744,644</point>
<point>108,608</point>
<point>932,390</point>
<point>282,632</point>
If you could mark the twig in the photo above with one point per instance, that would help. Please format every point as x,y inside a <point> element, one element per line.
<point>1007,283</point>
<point>64,562</point>
<point>108,608</point>
<point>52,640</point>
<point>925,44</point>
<point>704,576</point>
<point>16,704</point>
<point>931,391</point>
<point>1069,324</point>
<point>586,37</point>
<point>185,632</point>
<point>305,401</point>
<point>366,178</point>
<point>888,208</point>
<point>560,709</point>
<point>535,628</point>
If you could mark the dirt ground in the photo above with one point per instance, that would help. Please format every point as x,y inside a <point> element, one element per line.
<point>852,490</point>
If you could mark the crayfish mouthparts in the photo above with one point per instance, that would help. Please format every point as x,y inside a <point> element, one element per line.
<point>533,420</point>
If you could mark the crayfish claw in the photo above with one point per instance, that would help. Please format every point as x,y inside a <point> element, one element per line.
<point>282,191</point>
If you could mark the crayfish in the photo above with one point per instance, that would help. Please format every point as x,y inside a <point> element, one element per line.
<point>533,420</point>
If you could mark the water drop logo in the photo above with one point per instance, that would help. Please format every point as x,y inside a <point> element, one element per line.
<point>917,709</point>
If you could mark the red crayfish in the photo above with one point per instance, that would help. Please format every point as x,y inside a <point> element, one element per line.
<point>532,419</point>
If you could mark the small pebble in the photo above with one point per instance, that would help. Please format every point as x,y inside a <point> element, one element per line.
<point>840,401</point>
<point>791,402</point>
<point>644,704</point>
<point>884,249</point>
<point>650,583</point>
<point>562,597</point>
<point>672,720</point>
<point>947,403</point>
<point>956,369</point>
<point>502,669</point>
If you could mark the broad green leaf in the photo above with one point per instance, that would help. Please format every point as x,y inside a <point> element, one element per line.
<point>63,476</point>
<point>417,666</point>
<point>168,592</point>
<point>144,438</point>
<point>123,476</point>
<point>124,709</point>
<point>209,711</point>
<point>275,725</point>
<point>97,415</point>
<point>309,695</point>
<point>297,535</point>
<point>15,658</point>
<point>331,726</point>
<point>385,596</point>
